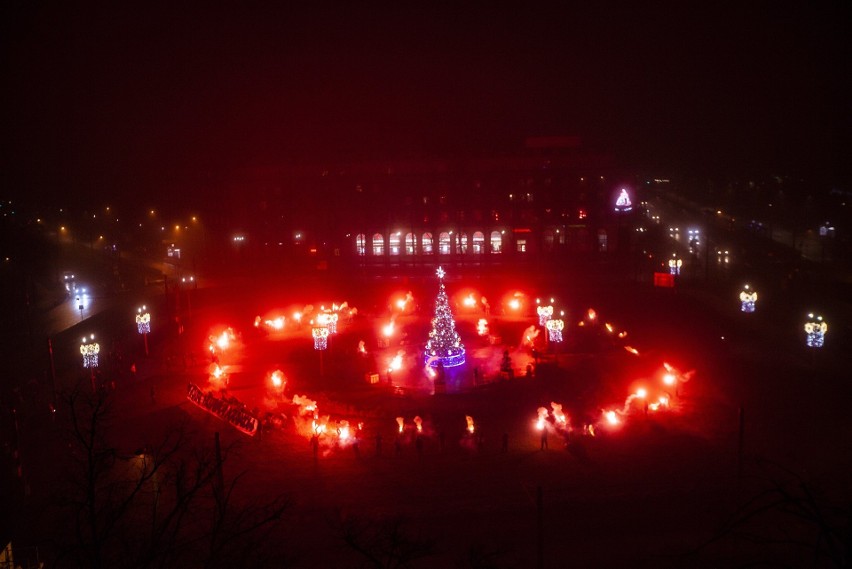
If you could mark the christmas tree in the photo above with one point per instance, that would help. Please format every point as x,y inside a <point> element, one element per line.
<point>444,345</point>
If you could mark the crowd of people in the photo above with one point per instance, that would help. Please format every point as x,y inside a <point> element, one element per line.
<point>229,409</point>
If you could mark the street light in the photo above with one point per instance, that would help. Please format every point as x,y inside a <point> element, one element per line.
<point>143,324</point>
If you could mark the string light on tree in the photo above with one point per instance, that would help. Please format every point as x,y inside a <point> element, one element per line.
<point>748,298</point>
<point>143,324</point>
<point>815,329</point>
<point>554,330</point>
<point>444,345</point>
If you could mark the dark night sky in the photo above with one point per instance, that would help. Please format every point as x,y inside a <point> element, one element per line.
<point>132,97</point>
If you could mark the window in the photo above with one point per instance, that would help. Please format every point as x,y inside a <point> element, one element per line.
<point>521,245</point>
<point>410,244</point>
<point>444,243</point>
<point>461,243</point>
<point>548,239</point>
<point>478,243</point>
<point>426,243</point>
<point>496,242</point>
<point>393,243</point>
<point>378,244</point>
<point>361,244</point>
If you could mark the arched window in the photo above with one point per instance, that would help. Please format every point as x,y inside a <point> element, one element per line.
<point>496,242</point>
<point>461,243</point>
<point>410,244</point>
<point>426,243</point>
<point>478,243</point>
<point>361,244</point>
<point>393,243</point>
<point>378,244</point>
<point>444,243</point>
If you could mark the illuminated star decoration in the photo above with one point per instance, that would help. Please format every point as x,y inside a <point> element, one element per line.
<point>440,272</point>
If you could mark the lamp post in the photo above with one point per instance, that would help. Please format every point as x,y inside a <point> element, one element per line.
<point>89,350</point>
<point>320,335</point>
<point>143,324</point>
<point>748,299</point>
<point>815,329</point>
<point>554,330</point>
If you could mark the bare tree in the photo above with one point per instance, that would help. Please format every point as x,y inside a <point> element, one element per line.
<point>786,523</point>
<point>385,543</point>
<point>164,505</point>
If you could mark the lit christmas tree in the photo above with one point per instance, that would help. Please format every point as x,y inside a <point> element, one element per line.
<point>444,345</point>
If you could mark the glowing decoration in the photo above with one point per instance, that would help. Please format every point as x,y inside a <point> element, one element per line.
<point>470,427</point>
<point>748,298</point>
<point>444,346</point>
<point>558,416</point>
<point>387,330</point>
<point>611,417</point>
<point>278,380</point>
<point>541,421</point>
<point>815,329</point>
<point>622,202</point>
<point>482,327</point>
<point>320,334</point>
<point>591,314</point>
<point>632,350</point>
<point>544,314</point>
<point>329,320</point>
<point>400,421</point>
<point>396,362</point>
<point>469,301</point>
<point>554,330</point>
<point>674,265</point>
<point>418,424</point>
<point>90,349</point>
<point>143,320</point>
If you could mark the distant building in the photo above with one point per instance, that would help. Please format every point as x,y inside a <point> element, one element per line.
<point>552,198</point>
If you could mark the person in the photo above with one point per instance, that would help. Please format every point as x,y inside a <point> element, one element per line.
<point>543,439</point>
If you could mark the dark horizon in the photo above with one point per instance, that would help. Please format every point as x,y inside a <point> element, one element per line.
<point>120,100</point>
